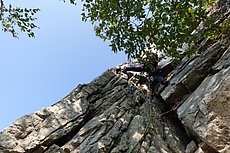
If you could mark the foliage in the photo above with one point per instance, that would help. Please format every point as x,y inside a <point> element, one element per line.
<point>15,18</point>
<point>133,26</point>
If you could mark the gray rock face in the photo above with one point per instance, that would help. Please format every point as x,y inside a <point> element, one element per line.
<point>206,113</point>
<point>201,85</point>
<point>223,62</point>
<point>110,114</point>
<point>191,73</point>
<point>191,147</point>
<point>211,56</point>
<point>116,114</point>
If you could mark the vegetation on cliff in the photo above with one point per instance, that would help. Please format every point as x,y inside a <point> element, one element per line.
<point>132,26</point>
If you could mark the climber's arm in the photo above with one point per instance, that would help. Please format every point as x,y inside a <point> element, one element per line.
<point>136,69</point>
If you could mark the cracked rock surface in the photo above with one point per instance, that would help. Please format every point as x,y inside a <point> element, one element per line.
<point>110,114</point>
<point>114,113</point>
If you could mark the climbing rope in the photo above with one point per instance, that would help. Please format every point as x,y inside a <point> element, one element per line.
<point>145,131</point>
<point>150,118</point>
<point>172,109</point>
<point>149,99</point>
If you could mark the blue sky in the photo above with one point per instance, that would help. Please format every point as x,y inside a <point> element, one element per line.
<point>38,72</point>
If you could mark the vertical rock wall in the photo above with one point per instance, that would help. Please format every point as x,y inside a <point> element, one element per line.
<point>110,114</point>
<point>114,114</point>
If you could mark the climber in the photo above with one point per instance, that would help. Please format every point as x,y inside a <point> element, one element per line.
<point>149,64</point>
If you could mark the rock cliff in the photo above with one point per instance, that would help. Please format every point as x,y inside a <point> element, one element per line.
<point>115,114</point>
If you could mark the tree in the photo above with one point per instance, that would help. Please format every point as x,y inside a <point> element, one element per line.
<point>15,18</point>
<point>133,26</point>
<point>136,25</point>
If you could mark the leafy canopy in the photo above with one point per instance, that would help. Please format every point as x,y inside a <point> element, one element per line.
<point>131,26</point>
<point>135,25</point>
<point>15,18</point>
